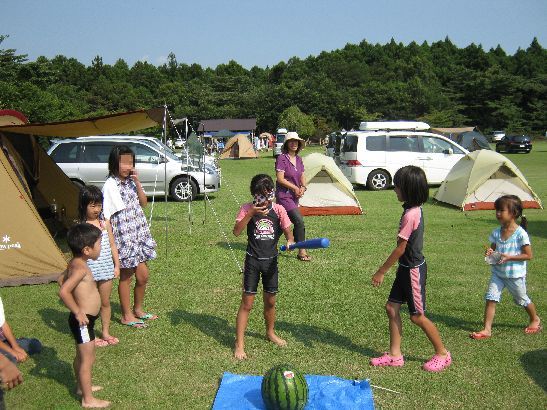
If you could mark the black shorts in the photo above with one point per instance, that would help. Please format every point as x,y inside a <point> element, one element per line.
<point>251,274</point>
<point>409,287</point>
<point>82,334</point>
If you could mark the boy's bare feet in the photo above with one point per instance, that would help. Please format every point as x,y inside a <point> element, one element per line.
<point>95,404</point>
<point>277,340</point>
<point>483,334</point>
<point>534,326</point>
<point>93,390</point>
<point>239,353</point>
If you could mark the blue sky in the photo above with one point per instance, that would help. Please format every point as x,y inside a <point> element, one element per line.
<point>257,32</point>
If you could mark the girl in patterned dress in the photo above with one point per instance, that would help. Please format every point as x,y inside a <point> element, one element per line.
<point>124,198</point>
<point>107,266</point>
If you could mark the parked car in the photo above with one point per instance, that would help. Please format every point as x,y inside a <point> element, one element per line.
<point>85,161</point>
<point>279,140</point>
<point>372,155</point>
<point>515,143</point>
<point>497,136</point>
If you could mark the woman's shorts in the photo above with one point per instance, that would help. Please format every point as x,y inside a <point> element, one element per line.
<point>253,270</point>
<point>409,287</point>
<point>515,286</point>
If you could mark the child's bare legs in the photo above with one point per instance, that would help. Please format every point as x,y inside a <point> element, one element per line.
<point>431,332</point>
<point>141,275</point>
<point>395,328</point>
<point>269,318</point>
<point>247,300</point>
<point>83,364</point>
<point>124,291</point>
<point>105,290</point>
<point>489,313</point>
<point>534,318</point>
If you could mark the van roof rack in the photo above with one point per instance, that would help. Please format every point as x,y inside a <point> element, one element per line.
<point>393,125</point>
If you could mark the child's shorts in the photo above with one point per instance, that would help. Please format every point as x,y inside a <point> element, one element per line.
<point>82,334</point>
<point>251,275</point>
<point>409,287</point>
<point>515,286</point>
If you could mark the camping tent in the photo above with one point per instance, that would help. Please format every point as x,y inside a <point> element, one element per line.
<point>238,146</point>
<point>472,141</point>
<point>38,196</point>
<point>481,177</point>
<point>329,191</point>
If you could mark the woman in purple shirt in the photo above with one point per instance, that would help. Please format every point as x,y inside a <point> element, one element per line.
<point>290,185</point>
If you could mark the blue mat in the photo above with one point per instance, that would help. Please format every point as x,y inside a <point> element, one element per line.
<point>238,391</point>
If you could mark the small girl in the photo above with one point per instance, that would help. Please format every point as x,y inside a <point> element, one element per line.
<point>107,266</point>
<point>124,198</point>
<point>510,247</point>
<point>409,286</point>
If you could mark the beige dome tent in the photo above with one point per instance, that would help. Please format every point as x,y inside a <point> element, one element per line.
<point>35,189</point>
<point>481,177</point>
<point>329,191</point>
<point>238,146</point>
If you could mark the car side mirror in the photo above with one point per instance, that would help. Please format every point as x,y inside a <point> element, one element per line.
<point>162,160</point>
<point>448,151</point>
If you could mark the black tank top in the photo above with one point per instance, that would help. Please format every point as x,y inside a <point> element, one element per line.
<point>263,232</point>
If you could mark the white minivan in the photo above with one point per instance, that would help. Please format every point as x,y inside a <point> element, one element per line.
<point>279,140</point>
<point>372,155</point>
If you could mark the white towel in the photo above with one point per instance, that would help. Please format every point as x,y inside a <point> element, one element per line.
<point>112,202</point>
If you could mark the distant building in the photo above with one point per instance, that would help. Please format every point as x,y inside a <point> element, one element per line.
<point>236,125</point>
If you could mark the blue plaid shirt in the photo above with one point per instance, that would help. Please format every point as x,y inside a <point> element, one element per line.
<point>511,246</point>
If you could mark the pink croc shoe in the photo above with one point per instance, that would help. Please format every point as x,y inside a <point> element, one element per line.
<point>387,360</point>
<point>438,363</point>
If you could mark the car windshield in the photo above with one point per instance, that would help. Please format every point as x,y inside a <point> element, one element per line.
<point>521,138</point>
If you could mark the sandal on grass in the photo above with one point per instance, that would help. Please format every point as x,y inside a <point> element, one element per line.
<point>438,363</point>
<point>530,330</point>
<point>303,258</point>
<point>387,360</point>
<point>147,316</point>
<point>137,324</point>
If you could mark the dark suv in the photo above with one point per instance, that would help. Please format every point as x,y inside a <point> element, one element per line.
<point>515,143</point>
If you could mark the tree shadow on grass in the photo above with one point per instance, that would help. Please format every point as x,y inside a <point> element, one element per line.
<point>215,327</point>
<point>308,335</point>
<point>55,319</point>
<point>535,364</point>
<point>48,365</point>
<point>467,325</point>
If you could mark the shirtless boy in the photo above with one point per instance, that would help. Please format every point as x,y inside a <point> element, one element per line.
<point>80,294</point>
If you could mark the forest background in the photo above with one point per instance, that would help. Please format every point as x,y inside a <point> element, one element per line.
<point>439,83</point>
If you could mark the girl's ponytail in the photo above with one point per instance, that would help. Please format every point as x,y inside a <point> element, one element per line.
<point>524,222</point>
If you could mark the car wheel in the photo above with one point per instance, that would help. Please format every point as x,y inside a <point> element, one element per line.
<point>498,149</point>
<point>378,180</point>
<point>183,189</point>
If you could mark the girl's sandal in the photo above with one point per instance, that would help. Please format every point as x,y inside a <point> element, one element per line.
<point>100,342</point>
<point>303,258</point>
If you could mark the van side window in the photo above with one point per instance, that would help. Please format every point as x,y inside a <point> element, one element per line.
<point>434,145</point>
<point>66,153</point>
<point>403,143</point>
<point>96,153</point>
<point>144,154</point>
<point>376,143</point>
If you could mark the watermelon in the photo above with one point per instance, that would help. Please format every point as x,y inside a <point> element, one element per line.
<point>284,388</point>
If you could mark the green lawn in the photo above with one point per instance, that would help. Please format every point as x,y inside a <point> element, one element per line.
<point>331,316</point>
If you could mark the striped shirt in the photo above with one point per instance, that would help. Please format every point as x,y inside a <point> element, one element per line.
<point>511,246</point>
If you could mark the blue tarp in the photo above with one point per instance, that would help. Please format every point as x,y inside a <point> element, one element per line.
<point>242,392</point>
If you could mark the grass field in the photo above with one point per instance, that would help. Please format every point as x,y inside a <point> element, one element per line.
<point>331,316</point>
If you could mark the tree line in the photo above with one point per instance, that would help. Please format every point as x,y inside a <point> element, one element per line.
<point>439,83</point>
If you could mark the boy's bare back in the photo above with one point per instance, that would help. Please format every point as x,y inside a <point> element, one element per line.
<point>85,291</point>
